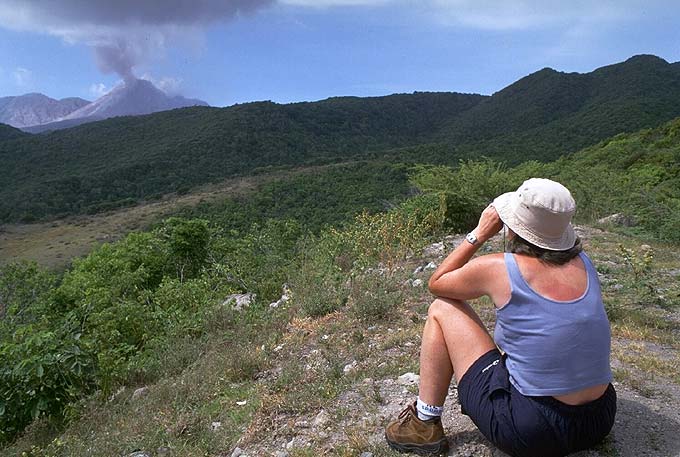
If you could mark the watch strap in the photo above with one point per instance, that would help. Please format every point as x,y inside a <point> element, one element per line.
<point>471,238</point>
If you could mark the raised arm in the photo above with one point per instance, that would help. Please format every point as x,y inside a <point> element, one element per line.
<point>459,278</point>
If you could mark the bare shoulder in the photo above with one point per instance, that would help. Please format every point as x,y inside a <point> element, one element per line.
<point>489,262</point>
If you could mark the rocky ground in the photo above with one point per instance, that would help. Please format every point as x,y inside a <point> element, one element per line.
<point>375,384</point>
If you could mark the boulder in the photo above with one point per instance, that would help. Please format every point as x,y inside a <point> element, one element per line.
<point>408,379</point>
<point>239,301</point>
<point>434,250</point>
<point>285,296</point>
<point>139,393</point>
<point>618,219</point>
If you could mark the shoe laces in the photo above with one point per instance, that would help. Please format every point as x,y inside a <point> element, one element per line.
<point>406,415</point>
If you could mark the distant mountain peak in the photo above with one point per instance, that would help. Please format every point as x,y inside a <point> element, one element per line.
<point>131,98</point>
<point>35,108</point>
<point>646,58</point>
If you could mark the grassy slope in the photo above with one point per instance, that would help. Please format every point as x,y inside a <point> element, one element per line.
<point>314,196</point>
<point>291,368</point>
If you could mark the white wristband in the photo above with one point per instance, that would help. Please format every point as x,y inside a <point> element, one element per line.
<point>471,238</point>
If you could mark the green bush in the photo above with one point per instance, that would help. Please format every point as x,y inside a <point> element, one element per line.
<point>374,295</point>
<point>42,371</point>
<point>23,285</point>
<point>318,283</point>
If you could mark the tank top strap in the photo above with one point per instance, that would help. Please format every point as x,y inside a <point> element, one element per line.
<point>516,279</point>
<point>590,268</point>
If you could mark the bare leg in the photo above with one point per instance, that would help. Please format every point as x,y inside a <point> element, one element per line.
<point>453,339</point>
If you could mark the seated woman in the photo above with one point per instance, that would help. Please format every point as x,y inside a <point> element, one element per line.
<point>548,391</point>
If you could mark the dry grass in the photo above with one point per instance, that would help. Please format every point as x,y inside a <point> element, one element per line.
<point>54,244</point>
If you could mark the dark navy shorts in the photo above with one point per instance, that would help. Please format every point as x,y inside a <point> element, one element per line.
<point>530,426</point>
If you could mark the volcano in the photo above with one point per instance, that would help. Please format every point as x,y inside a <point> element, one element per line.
<point>131,98</point>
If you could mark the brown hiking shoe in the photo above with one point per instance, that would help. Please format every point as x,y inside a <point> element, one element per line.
<point>410,434</point>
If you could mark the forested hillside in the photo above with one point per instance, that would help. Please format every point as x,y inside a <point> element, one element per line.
<point>550,113</point>
<point>151,309</point>
<point>8,132</point>
<point>122,161</point>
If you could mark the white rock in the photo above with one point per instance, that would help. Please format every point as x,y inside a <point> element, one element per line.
<point>418,270</point>
<point>408,379</point>
<point>215,425</point>
<point>278,348</point>
<point>242,402</point>
<point>366,454</point>
<point>618,219</point>
<point>285,296</point>
<point>350,366</point>
<point>430,266</point>
<point>139,393</point>
<point>139,454</point>
<point>239,301</point>
<point>291,444</point>
<point>321,419</point>
<point>118,392</point>
<point>417,283</point>
<point>434,250</point>
<point>238,452</point>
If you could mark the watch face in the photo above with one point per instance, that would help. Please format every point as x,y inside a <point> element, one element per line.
<point>472,239</point>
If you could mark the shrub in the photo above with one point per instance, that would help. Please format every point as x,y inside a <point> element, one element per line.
<point>42,372</point>
<point>374,295</point>
<point>319,285</point>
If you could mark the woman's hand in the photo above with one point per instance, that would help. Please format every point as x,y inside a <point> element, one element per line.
<point>489,224</point>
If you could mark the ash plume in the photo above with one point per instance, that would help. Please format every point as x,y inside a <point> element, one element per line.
<point>123,33</point>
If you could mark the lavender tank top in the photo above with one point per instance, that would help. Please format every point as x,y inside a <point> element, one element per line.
<point>554,347</point>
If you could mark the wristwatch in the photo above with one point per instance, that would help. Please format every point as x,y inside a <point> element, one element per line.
<point>471,238</point>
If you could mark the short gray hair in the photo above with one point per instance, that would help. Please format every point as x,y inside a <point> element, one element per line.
<point>519,245</point>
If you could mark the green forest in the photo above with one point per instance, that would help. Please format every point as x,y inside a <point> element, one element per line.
<point>127,160</point>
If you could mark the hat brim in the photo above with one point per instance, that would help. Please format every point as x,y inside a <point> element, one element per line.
<point>505,205</point>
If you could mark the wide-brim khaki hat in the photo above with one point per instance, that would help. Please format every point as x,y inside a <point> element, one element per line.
<point>540,211</point>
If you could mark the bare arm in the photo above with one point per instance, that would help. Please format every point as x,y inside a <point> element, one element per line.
<point>461,279</point>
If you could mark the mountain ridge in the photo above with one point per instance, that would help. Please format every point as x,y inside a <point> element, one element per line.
<point>36,108</point>
<point>542,116</point>
<point>132,98</point>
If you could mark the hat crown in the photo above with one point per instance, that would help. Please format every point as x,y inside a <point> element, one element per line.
<point>545,194</point>
<point>540,211</point>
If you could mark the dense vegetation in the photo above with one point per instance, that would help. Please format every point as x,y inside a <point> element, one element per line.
<point>328,196</point>
<point>8,132</point>
<point>116,316</point>
<point>121,161</point>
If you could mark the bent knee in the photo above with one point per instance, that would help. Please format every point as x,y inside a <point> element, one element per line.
<point>441,307</point>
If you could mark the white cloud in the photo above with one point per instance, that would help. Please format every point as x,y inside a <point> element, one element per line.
<point>99,89</point>
<point>498,14</point>
<point>125,33</point>
<point>527,14</point>
<point>22,76</point>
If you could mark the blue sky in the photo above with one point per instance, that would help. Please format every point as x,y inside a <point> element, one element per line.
<point>295,50</point>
